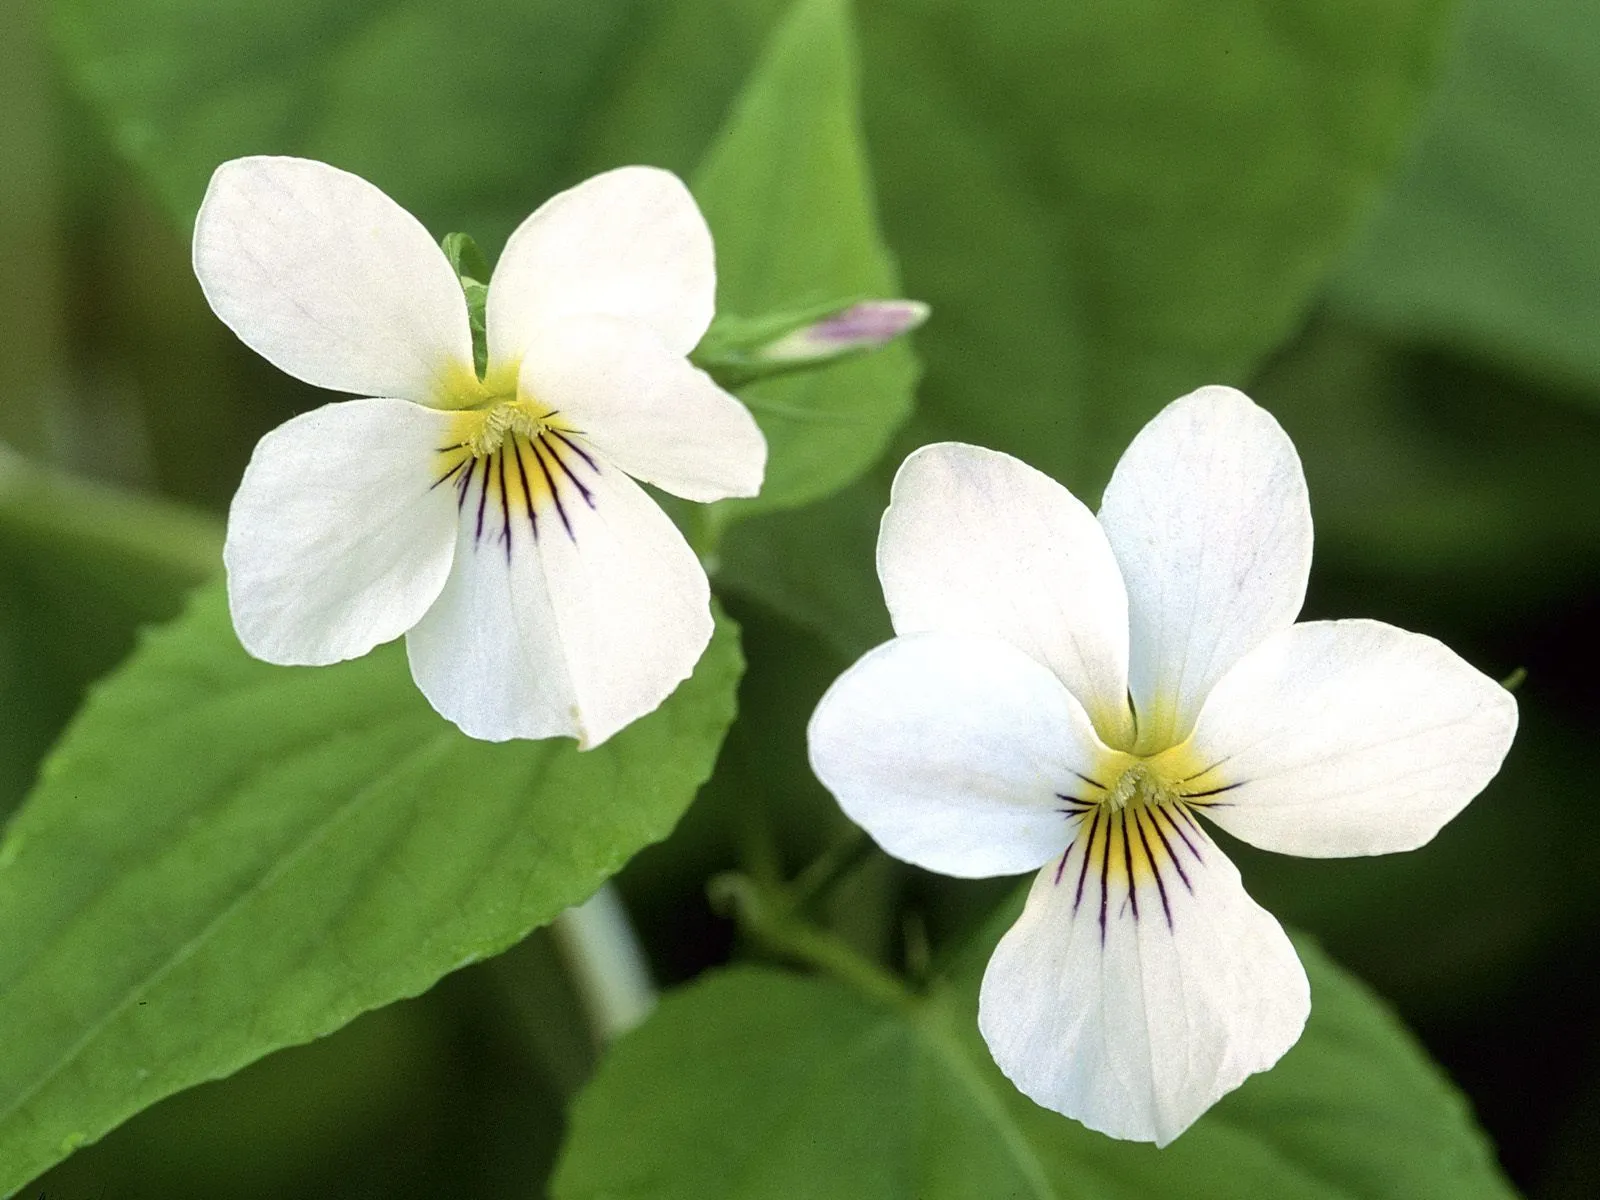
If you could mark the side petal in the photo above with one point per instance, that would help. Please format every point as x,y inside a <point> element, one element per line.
<point>958,753</point>
<point>1338,738</point>
<point>975,541</point>
<point>647,409</point>
<point>574,607</point>
<point>1208,516</point>
<point>1133,1010</point>
<point>328,279</point>
<point>338,537</point>
<point>628,243</point>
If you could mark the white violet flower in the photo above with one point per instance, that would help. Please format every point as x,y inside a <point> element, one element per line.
<point>1070,694</point>
<point>492,521</point>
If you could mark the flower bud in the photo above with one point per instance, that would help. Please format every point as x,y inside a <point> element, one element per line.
<point>865,325</point>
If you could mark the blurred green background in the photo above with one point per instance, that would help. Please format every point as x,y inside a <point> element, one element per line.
<point>1377,218</point>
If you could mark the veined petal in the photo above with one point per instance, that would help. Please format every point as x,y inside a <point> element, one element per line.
<point>338,539</point>
<point>328,279</point>
<point>1337,738</point>
<point>975,541</point>
<point>958,753</point>
<point>1134,1009</point>
<point>574,607</point>
<point>628,243</point>
<point>1208,516</point>
<point>647,409</point>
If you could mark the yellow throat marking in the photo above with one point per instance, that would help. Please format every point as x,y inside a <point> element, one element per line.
<point>1136,839</point>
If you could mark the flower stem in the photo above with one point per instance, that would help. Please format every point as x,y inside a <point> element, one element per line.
<point>607,964</point>
<point>767,914</point>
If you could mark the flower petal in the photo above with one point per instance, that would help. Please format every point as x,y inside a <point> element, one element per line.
<point>629,243</point>
<point>647,409</point>
<point>958,753</point>
<point>328,279</point>
<point>1133,1011</point>
<point>1208,515</point>
<point>1337,738</point>
<point>338,539</point>
<point>975,541</point>
<point>575,606</point>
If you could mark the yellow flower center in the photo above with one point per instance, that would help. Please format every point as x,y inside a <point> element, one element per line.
<point>1136,840</point>
<point>483,431</point>
<point>512,461</point>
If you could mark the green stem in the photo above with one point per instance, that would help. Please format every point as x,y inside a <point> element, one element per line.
<point>606,963</point>
<point>767,914</point>
<point>832,865</point>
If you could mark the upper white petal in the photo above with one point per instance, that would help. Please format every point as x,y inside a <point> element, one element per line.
<point>1349,737</point>
<point>562,635</point>
<point>337,538</point>
<point>330,280</point>
<point>647,408</point>
<point>975,541</point>
<point>1208,515</point>
<point>954,752</point>
<point>628,243</point>
<point>1135,1025</point>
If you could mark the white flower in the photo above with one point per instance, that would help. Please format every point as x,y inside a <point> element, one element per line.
<point>493,521</point>
<point>1071,693</point>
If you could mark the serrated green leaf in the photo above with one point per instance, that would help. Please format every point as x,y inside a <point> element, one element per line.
<point>756,1083</point>
<point>787,192</point>
<point>322,844</point>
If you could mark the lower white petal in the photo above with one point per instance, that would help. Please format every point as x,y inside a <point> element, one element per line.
<point>956,752</point>
<point>1338,738</point>
<point>654,414</point>
<point>574,607</point>
<point>338,539</point>
<point>1133,1010</point>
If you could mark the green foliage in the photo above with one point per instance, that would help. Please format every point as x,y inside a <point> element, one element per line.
<point>82,566</point>
<point>786,191</point>
<point>452,109</point>
<point>472,269</point>
<point>225,857</point>
<point>1438,474</point>
<point>1486,241</point>
<point>1106,206</point>
<point>759,1083</point>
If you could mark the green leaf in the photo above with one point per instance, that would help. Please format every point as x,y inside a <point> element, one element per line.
<point>1486,242</point>
<point>1433,475</point>
<point>472,269</point>
<point>815,565</point>
<point>325,844</point>
<point>82,566</point>
<point>788,196</point>
<point>1108,206</point>
<point>453,109</point>
<point>757,1083</point>
<point>466,260</point>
